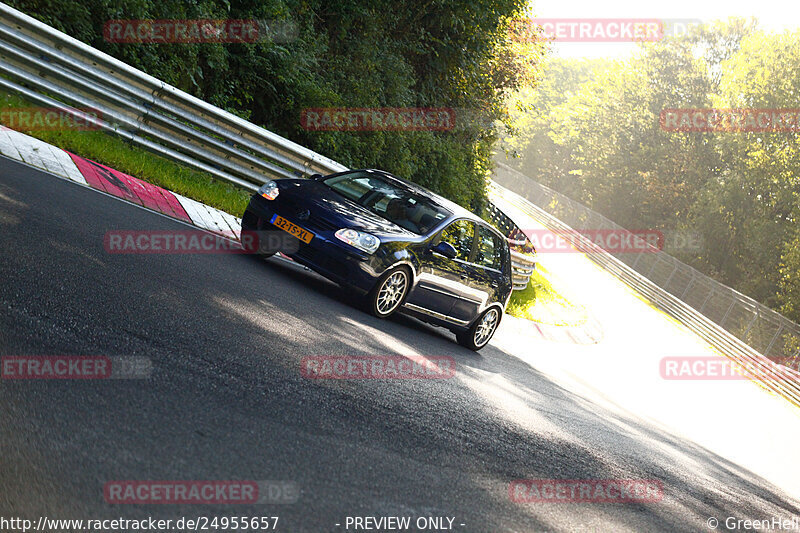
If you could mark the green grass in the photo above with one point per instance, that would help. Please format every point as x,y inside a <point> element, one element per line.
<point>541,302</point>
<point>116,153</point>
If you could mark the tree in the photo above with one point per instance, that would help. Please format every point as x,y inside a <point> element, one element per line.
<point>347,53</point>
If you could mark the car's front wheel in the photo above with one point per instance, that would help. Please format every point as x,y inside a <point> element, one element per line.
<point>389,292</point>
<point>481,331</point>
<point>250,238</point>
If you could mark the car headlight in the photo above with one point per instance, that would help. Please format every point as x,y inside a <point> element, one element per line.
<point>358,239</point>
<point>269,190</point>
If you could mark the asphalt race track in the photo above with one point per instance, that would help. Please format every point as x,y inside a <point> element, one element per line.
<point>226,399</point>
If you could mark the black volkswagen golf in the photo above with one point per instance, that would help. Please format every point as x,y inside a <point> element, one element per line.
<point>394,242</point>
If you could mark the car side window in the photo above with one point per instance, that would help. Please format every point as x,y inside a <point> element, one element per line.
<point>461,234</point>
<point>490,249</point>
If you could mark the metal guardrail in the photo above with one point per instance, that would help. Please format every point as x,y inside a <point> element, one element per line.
<point>523,254</point>
<point>55,70</point>
<point>763,329</point>
<point>522,266</point>
<point>775,377</point>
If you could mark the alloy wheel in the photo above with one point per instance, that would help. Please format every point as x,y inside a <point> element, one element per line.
<point>392,292</point>
<point>486,327</point>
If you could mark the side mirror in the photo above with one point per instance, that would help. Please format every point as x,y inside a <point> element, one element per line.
<point>446,249</point>
<point>316,177</point>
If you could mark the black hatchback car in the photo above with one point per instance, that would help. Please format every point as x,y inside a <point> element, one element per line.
<point>394,242</point>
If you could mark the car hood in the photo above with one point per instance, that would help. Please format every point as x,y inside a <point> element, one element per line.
<point>336,209</point>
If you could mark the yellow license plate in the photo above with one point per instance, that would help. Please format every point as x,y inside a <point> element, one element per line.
<point>293,229</point>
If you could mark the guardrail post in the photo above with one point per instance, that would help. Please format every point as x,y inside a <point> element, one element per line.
<point>688,285</point>
<point>653,266</point>
<point>750,325</point>
<point>777,334</point>
<point>722,322</point>
<point>710,293</point>
<point>671,274</point>
<point>638,256</point>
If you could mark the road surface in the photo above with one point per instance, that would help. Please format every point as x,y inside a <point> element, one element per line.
<point>226,399</point>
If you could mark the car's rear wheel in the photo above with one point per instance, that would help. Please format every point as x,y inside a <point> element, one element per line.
<point>390,291</point>
<point>482,330</point>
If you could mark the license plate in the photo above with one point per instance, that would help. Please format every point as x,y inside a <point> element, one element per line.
<point>292,229</point>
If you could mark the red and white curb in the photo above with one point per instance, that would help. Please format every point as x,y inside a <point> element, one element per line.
<point>589,332</point>
<point>86,172</point>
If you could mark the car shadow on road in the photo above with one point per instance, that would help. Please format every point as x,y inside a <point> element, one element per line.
<point>543,431</point>
<point>348,297</point>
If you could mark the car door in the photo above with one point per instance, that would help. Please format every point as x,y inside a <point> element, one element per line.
<point>483,275</point>
<point>442,280</point>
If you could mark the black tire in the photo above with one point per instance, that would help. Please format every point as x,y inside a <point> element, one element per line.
<point>397,297</point>
<point>251,245</point>
<point>254,247</point>
<point>470,338</point>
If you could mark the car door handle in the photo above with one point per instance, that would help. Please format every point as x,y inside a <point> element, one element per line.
<point>464,276</point>
<point>495,284</point>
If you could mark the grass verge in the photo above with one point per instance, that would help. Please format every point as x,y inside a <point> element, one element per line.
<point>541,302</point>
<point>116,153</point>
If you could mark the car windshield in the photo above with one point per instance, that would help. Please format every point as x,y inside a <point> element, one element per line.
<point>389,200</point>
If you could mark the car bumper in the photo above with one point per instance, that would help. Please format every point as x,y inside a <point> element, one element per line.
<point>325,254</point>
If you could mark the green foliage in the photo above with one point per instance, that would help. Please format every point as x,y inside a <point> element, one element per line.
<point>596,136</point>
<point>353,53</point>
<point>118,154</point>
<point>531,117</point>
<point>541,302</point>
<point>790,278</point>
